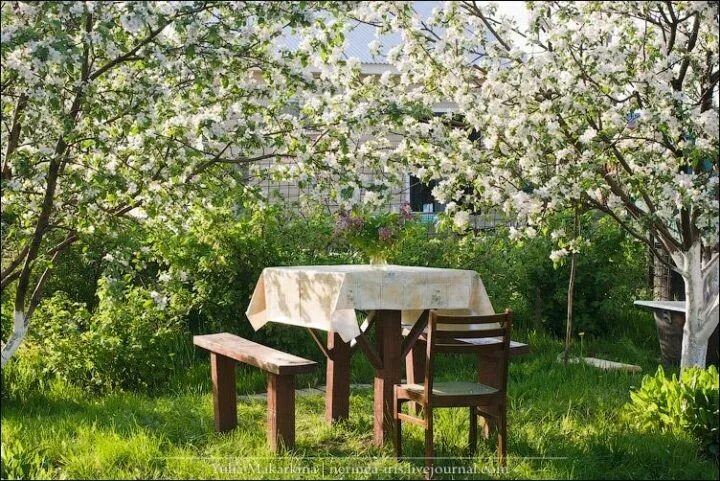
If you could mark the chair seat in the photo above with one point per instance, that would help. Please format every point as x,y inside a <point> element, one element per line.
<point>452,389</point>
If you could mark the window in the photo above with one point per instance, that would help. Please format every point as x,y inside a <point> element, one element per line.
<point>421,198</point>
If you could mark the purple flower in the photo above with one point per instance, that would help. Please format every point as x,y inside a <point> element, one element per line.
<point>343,221</point>
<point>385,233</point>
<point>356,222</point>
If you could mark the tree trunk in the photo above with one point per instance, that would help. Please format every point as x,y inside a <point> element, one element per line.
<point>571,289</point>
<point>19,331</point>
<point>701,304</point>
<point>571,295</point>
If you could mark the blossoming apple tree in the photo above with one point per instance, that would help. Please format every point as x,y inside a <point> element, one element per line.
<point>604,105</point>
<point>116,112</point>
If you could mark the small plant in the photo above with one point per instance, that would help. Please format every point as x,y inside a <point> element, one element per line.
<point>370,231</point>
<point>688,404</point>
<point>19,462</point>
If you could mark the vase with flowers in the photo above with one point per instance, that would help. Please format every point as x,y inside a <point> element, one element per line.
<point>372,232</point>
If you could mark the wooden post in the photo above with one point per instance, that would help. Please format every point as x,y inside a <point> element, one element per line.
<point>389,346</point>
<point>224,400</point>
<point>281,412</point>
<point>337,383</point>
<point>415,369</point>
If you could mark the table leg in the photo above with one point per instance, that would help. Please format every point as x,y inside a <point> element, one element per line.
<point>337,383</point>
<point>489,373</point>
<point>389,346</point>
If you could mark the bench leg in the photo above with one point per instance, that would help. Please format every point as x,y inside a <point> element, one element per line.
<point>337,389</point>
<point>415,369</point>
<point>224,399</point>
<point>281,412</point>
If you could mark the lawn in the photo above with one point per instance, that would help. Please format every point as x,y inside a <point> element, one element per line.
<point>564,423</point>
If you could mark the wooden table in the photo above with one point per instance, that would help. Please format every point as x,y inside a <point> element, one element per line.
<point>327,298</point>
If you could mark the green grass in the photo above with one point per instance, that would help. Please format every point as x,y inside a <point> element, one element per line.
<point>564,423</point>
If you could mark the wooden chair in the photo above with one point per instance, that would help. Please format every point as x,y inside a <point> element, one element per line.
<point>459,334</point>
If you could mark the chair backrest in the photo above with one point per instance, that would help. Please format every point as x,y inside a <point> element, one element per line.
<point>468,335</point>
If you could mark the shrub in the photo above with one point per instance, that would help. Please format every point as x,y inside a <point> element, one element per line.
<point>130,344</point>
<point>611,273</point>
<point>689,404</point>
<point>26,375</point>
<point>224,259</point>
<point>99,326</point>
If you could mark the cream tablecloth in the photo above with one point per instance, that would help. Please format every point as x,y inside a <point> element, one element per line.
<point>326,297</point>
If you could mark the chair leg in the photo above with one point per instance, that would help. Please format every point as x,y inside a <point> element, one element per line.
<point>502,437</point>
<point>398,428</point>
<point>415,371</point>
<point>429,448</point>
<point>473,430</point>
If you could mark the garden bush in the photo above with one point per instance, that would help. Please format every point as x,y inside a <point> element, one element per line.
<point>689,404</point>
<point>133,344</point>
<point>611,274</point>
<point>120,312</point>
<point>100,326</point>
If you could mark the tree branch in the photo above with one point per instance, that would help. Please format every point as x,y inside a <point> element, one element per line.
<point>61,149</point>
<point>130,54</point>
<point>474,9</point>
<point>625,226</point>
<point>7,280</point>
<point>677,82</point>
<point>15,262</point>
<point>14,138</point>
<point>37,292</point>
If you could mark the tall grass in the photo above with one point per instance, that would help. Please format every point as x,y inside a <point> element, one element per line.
<point>564,423</point>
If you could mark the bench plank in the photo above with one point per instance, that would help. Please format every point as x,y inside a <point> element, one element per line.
<point>248,352</point>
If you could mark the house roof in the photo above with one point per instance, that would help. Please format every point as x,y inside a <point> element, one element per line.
<point>360,35</point>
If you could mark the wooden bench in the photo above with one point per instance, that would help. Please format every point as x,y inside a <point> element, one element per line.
<point>227,349</point>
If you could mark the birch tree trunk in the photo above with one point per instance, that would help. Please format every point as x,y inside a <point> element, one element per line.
<point>701,303</point>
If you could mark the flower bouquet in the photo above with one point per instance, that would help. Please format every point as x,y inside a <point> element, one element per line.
<point>372,232</point>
